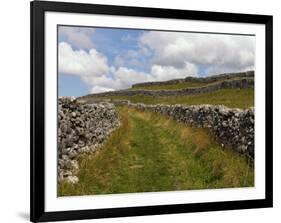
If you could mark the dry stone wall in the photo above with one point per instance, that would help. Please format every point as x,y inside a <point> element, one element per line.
<point>82,128</point>
<point>231,127</point>
<point>239,83</point>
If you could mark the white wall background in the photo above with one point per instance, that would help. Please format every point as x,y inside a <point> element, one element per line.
<point>14,110</point>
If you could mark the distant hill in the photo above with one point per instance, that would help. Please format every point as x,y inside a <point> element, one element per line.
<point>196,81</point>
<point>232,90</point>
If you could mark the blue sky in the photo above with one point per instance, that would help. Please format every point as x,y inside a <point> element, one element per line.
<point>95,60</point>
<point>110,42</point>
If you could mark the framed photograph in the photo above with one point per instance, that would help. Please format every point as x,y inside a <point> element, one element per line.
<point>144,111</point>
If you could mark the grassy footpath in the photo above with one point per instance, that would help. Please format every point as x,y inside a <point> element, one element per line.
<point>233,98</point>
<point>152,153</point>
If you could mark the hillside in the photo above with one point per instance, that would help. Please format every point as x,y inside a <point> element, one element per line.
<point>232,90</point>
<point>189,82</point>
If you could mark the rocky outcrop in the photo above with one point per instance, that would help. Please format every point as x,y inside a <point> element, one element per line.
<point>82,128</point>
<point>231,127</point>
<point>209,79</point>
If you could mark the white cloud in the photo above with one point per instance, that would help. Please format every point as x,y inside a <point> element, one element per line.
<point>216,53</point>
<point>127,76</point>
<point>105,81</point>
<point>164,73</point>
<point>120,78</point>
<point>80,62</point>
<point>77,37</point>
<point>92,67</point>
<point>98,89</point>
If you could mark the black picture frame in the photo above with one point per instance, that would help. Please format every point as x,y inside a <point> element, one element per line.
<point>37,199</point>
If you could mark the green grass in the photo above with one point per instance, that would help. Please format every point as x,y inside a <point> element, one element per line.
<point>233,98</point>
<point>150,152</point>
